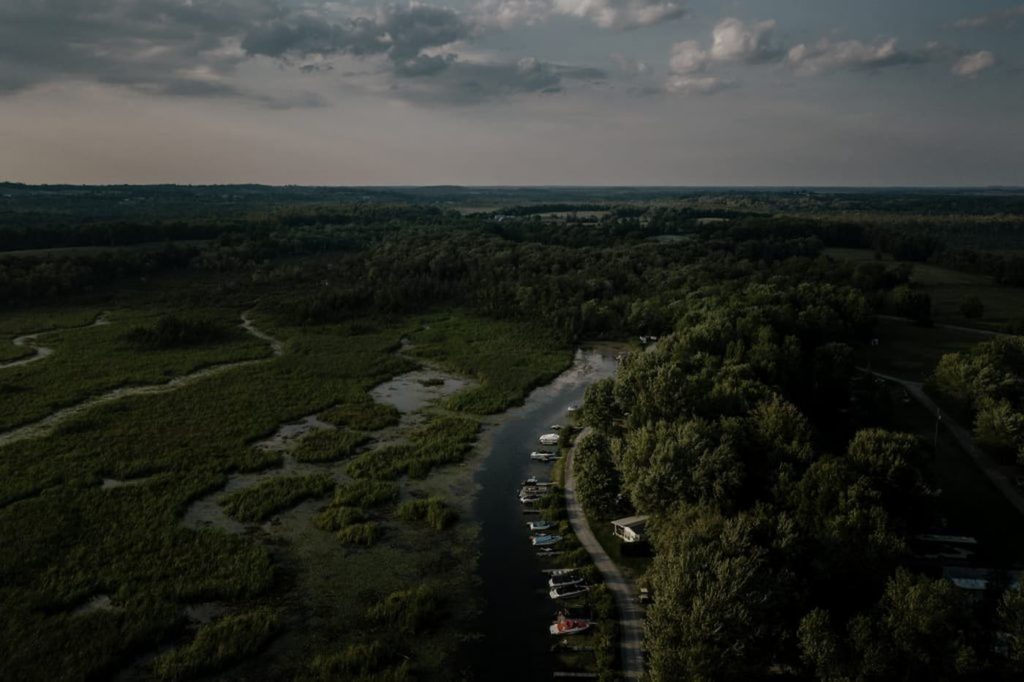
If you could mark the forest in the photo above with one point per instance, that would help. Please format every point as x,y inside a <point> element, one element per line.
<point>791,431</point>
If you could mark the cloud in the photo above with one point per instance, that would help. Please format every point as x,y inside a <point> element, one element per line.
<point>970,65</point>
<point>1009,17</point>
<point>734,41</point>
<point>699,85</point>
<point>466,82</point>
<point>619,15</point>
<point>827,56</point>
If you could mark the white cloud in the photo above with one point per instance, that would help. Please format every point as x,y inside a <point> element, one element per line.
<point>848,55</point>
<point>621,14</point>
<point>688,58</point>
<point>1008,17</point>
<point>734,41</point>
<point>618,15</point>
<point>971,65</point>
<point>699,85</point>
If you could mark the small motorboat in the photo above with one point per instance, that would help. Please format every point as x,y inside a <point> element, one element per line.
<point>530,499</point>
<point>569,626</point>
<point>532,480</point>
<point>540,525</point>
<point>572,408</point>
<point>549,439</point>
<point>564,579</point>
<point>543,456</point>
<point>545,540</point>
<point>568,591</point>
<point>556,427</point>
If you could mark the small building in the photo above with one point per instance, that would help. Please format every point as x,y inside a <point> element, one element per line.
<point>630,529</point>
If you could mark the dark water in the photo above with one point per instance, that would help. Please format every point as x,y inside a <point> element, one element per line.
<point>517,610</point>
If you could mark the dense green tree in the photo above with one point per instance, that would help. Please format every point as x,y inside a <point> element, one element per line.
<point>597,479</point>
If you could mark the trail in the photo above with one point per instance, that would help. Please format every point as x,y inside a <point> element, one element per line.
<point>631,616</point>
<point>987,465</point>
<point>46,425</point>
<point>41,352</point>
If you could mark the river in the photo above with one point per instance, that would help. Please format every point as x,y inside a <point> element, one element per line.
<point>517,610</point>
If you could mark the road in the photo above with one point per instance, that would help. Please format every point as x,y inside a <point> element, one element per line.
<point>631,616</point>
<point>951,327</point>
<point>987,465</point>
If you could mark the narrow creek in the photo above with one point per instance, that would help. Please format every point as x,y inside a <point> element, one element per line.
<point>46,425</point>
<point>31,341</point>
<point>517,610</point>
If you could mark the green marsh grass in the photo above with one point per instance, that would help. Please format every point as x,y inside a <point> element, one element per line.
<point>267,498</point>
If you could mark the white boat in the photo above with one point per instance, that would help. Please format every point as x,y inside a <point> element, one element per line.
<point>556,427</point>
<point>532,480</point>
<point>550,439</point>
<point>543,456</point>
<point>540,525</point>
<point>572,408</point>
<point>545,540</point>
<point>569,626</point>
<point>568,591</point>
<point>529,499</point>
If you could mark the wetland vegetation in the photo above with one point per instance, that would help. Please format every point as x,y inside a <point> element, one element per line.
<point>787,489</point>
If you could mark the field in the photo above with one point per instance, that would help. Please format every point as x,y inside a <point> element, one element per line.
<point>71,542</point>
<point>949,288</point>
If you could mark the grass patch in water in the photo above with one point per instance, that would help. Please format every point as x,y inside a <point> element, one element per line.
<point>265,499</point>
<point>434,511</point>
<point>218,645</point>
<point>328,446</point>
<point>364,415</point>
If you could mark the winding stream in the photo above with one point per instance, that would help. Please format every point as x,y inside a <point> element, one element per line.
<point>41,352</point>
<point>517,609</point>
<point>46,425</point>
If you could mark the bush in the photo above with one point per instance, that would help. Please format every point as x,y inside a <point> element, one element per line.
<point>328,446</point>
<point>336,518</point>
<point>365,534</point>
<point>374,661</point>
<point>410,611</point>
<point>171,331</point>
<point>265,499</point>
<point>219,644</point>
<point>366,494</point>
<point>434,511</point>
<point>387,463</point>
<point>972,308</point>
<point>362,416</point>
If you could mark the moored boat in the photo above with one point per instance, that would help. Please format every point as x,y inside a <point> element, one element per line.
<point>545,540</point>
<point>568,591</point>
<point>569,626</point>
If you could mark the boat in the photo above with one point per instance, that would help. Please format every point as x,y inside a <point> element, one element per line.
<point>543,456</point>
<point>569,626</point>
<point>540,525</point>
<point>530,481</point>
<point>572,408</point>
<point>550,439</point>
<point>556,427</point>
<point>529,499</point>
<point>562,580</point>
<point>531,490</point>
<point>545,540</point>
<point>568,591</point>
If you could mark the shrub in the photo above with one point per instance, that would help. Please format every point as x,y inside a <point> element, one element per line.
<point>385,463</point>
<point>434,511</point>
<point>265,499</point>
<point>410,611</point>
<point>335,518</point>
<point>374,661</point>
<point>219,644</point>
<point>365,534</point>
<point>171,331</point>
<point>366,494</point>
<point>328,446</point>
<point>362,416</point>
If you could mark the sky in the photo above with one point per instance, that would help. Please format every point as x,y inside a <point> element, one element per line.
<point>513,92</point>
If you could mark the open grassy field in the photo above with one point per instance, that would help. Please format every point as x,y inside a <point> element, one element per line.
<point>949,288</point>
<point>909,351</point>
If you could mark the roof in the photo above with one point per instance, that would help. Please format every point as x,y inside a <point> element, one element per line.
<point>631,521</point>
